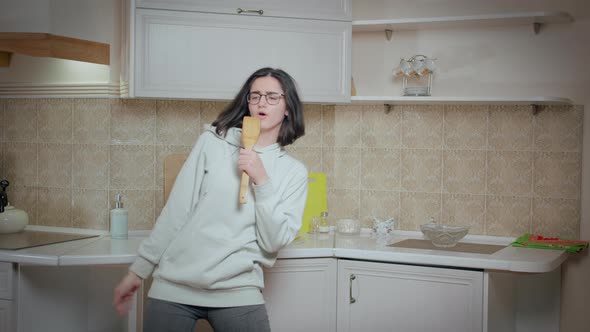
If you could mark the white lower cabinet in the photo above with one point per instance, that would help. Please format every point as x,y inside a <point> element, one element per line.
<point>6,320</point>
<point>7,294</point>
<point>300,295</point>
<point>71,298</point>
<point>392,297</point>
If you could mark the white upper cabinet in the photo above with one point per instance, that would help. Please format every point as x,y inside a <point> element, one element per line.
<point>324,9</point>
<point>207,55</point>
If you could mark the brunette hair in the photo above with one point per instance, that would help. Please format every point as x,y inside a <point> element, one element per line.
<point>292,127</point>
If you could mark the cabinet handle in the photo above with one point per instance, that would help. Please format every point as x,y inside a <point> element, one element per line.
<point>352,299</point>
<point>258,11</point>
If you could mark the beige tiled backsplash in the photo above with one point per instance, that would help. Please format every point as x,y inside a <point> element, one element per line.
<point>500,169</point>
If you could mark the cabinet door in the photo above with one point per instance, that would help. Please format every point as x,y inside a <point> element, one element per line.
<point>300,295</point>
<point>390,297</point>
<point>6,281</point>
<point>325,9</point>
<point>209,56</point>
<point>6,319</point>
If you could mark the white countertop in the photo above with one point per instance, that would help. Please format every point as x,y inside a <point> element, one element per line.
<point>103,250</point>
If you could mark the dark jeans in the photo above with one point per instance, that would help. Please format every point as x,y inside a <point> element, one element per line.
<point>164,316</point>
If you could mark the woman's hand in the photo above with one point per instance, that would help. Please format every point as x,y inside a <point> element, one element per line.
<point>250,163</point>
<point>124,291</point>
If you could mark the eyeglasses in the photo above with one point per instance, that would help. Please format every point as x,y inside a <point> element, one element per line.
<point>272,98</point>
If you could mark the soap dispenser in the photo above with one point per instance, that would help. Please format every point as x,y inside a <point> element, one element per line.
<point>119,220</point>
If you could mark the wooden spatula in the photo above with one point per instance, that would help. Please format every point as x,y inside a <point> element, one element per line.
<point>250,132</point>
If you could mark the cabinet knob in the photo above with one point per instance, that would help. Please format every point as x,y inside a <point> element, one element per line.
<point>257,11</point>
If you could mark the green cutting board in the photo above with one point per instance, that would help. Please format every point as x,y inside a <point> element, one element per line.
<point>316,199</point>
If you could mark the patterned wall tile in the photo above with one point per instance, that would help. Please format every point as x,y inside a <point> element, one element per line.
<point>55,165</point>
<point>421,170</point>
<point>90,209</point>
<point>311,157</point>
<point>2,121</point>
<point>556,217</point>
<point>24,198</point>
<point>510,173</point>
<point>90,166</point>
<point>210,111</point>
<point>92,119</point>
<point>558,174</point>
<point>341,126</point>
<point>55,120</point>
<point>20,161</point>
<point>559,128</point>
<point>140,205</point>
<point>55,207</point>
<point>380,129</point>
<point>342,167</point>
<point>464,171</point>
<point>177,122</point>
<point>510,128</point>
<point>163,151</point>
<point>417,209</point>
<point>379,204</point>
<point>461,209</point>
<point>508,215</point>
<point>133,121</point>
<point>380,169</point>
<point>422,126</point>
<point>2,168</point>
<point>343,204</point>
<point>20,116</point>
<point>132,167</point>
<point>465,127</point>
<point>312,115</point>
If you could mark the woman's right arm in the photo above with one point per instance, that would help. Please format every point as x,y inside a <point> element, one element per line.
<point>183,198</point>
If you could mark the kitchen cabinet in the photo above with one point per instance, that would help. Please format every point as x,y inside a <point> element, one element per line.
<point>80,296</point>
<point>312,9</point>
<point>300,294</point>
<point>6,296</point>
<point>393,297</point>
<point>208,55</point>
<point>391,26</point>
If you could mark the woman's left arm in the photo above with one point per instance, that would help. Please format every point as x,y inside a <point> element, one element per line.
<point>279,209</point>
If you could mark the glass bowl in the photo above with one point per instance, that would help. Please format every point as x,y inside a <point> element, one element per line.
<point>444,236</point>
<point>348,226</point>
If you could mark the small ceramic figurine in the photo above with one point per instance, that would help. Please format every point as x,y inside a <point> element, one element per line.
<point>12,220</point>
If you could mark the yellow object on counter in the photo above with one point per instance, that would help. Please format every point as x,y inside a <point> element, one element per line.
<point>316,199</point>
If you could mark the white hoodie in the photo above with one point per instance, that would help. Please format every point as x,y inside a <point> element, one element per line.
<point>206,248</point>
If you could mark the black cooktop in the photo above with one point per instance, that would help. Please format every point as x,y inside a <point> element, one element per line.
<point>29,239</point>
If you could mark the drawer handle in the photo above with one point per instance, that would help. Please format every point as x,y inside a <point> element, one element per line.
<point>352,299</point>
<point>258,11</point>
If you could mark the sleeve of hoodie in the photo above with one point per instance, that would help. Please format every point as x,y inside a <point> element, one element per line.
<point>279,212</point>
<point>183,198</point>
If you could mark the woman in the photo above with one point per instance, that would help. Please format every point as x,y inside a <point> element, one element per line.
<point>206,250</point>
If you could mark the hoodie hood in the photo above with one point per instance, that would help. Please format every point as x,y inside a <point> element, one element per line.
<point>234,137</point>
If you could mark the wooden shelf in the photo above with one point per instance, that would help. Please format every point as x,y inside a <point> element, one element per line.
<point>48,45</point>
<point>534,18</point>
<point>461,100</point>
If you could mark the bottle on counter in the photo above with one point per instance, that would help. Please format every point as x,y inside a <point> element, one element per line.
<point>324,224</point>
<point>119,222</point>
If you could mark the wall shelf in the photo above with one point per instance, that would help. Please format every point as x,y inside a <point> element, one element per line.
<point>461,100</point>
<point>536,19</point>
<point>535,102</point>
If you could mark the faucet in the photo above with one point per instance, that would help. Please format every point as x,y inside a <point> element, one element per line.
<point>3,195</point>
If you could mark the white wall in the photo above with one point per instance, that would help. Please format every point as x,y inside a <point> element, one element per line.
<point>493,61</point>
<point>93,20</point>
